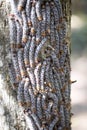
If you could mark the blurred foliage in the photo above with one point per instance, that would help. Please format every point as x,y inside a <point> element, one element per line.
<point>79,35</point>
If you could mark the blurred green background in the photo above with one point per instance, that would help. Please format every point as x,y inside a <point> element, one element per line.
<point>79,64</point>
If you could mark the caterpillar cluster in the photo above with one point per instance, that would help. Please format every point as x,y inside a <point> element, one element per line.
<point>39,68</point>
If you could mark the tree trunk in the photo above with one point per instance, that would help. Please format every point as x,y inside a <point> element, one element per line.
<point>35,65</point>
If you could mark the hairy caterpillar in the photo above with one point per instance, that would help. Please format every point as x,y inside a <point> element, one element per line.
<point>26,53</point>
<point>25,27</point>
<point>37,120</point>
<point>48,11</point>
<point>32,77</point>
<point>30,122</point>
<point>26,93</point>
<point>38,9</point>
<point>42,75</point>
<point>38,49</point>
<point>21,63</point>
<point>55,13</point>
<point>16,66</point>
<point>19,34</point>
<point>39,106</point>
<point>33,99</point>
<point>53,123</point>
<point>13,34</point>
<point>38,32</point>
<point>51,78</point>
<point>28,11</point>
<point>20,92</point>
<point>55,60</point>
<point>21,5</point>
<point>33,17</point>
<point>12,75</point>
<point>59,7</point>
<point>37,76</point>
<point>52,27</point>
<point>43,22</point>
<point>31,52</point>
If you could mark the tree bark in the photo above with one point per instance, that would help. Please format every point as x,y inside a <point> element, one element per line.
<point>45,74</point>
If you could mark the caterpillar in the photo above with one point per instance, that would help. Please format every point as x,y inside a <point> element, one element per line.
<point>47,77</point>
<point>25,28</point>
<point>21,63</point>
<point>38,32</point>
<point>32,78</point>
<point>39,106</point>
<point>51,78</point>
<point>38,49</point>
<point>33,18</point>
<point>59,7</point>
<point>26,53</point>
<point>57,43</point>
<point>61,112</point>
<point>21,5</point>
<point>55,100</point>
<point>43,22</point>
<point>16,67</point>
<point>28,12</point>
<point>26,93</point>
<point>36,120</point>
<point>52,29</point>
<point>33,99</point>
<point>13,33</point>
<point>38,10</point>
<point>37,76</point>
<point>42,75</point>
<point>31,52</point>
<point>20,93</point>
<point>55,13</point>
<point>30,122</point>
<point>19,34</point>
<point>48,19</point>
<point>53,123</point>
<point>12,75</point>
<point>55,60</point>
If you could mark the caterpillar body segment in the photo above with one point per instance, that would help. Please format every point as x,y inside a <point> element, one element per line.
<point>31,52</point>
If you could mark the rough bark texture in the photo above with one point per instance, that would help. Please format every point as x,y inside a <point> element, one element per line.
<point>11,115</point>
